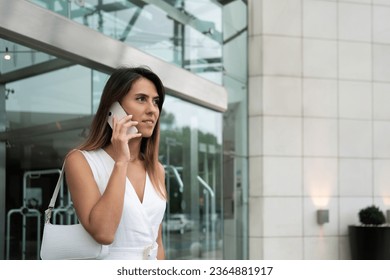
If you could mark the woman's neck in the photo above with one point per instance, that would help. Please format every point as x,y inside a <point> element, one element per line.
<point>135,149</point>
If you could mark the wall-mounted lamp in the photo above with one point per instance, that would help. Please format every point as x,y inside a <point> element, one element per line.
<point>7,55</point>
<point>322,216</point>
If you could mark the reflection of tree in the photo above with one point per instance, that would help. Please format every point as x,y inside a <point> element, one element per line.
<point>166,119</point>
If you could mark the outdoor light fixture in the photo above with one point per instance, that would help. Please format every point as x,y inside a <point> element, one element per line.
<point>7,55</point>
<point>322,216</point>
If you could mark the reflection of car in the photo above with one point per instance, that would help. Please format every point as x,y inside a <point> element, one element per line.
<point>179,222</point>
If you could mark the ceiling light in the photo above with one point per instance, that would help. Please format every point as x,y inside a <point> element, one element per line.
<point>7,55</point>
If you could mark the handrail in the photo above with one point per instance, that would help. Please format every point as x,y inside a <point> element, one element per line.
<point>213,210</point>
<point>177,176</point>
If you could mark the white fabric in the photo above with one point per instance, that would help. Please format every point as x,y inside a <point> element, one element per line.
<point>138,229</point>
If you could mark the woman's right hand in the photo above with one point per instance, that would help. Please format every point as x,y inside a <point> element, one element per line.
<point>120,138</point>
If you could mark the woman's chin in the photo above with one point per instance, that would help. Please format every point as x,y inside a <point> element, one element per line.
<point>146,134</point>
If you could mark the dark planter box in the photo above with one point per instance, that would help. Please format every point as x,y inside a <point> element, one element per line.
<point>369,242</point>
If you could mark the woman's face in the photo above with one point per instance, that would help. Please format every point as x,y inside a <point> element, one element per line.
<point>142,102</point>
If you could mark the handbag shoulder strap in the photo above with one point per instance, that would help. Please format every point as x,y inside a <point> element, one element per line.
<point>56,190</point>
<point>54,196</point>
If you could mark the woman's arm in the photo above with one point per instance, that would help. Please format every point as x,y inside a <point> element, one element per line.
<point>161,251</point>
<point>99,214</point>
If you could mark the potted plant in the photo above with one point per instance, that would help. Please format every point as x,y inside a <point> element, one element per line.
<point>371,239</point>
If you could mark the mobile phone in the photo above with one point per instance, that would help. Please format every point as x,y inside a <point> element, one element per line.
<point>117,110</point>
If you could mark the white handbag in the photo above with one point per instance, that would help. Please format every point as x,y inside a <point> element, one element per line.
<point>68,242</point>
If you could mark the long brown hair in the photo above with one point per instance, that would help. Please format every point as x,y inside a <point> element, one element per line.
<point>117,86</point>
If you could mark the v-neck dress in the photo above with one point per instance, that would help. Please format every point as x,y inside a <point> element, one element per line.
<point>137,232</point>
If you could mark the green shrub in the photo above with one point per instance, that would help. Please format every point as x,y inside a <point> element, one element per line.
<point>371,215</point>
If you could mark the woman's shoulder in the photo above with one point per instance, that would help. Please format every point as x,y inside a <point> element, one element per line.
<point>76,153</point>
<point>74,160</point>
<point>73,155</point>
<point>98,157</point>
<point>79,156</point>
<point>80,161</point>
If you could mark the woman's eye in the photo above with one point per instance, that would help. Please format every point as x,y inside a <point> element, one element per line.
<point>140,98</point>
<point>156,101</point>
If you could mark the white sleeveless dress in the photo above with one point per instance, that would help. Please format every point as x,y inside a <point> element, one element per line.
<point>135,238</point>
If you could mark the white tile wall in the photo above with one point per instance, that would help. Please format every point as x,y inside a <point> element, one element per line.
<point>282,216</point>
<point>356,1</point>
<point>319,58</point>
<point>381,101</point>
<point>382,139</point>
<point>255,176</point>
<point>282,136</point>
<point>381,2</point>
<point>282,56</point>
<point>319,19</point>
<point>382,177</point>
<point>355,138</point>
<point>354,22</point>
<point>355,61</point>
<point>320,177</point>
<point>282,96</point>
<point>381,63</point>
<point>282,176</point>
<point>255,53</point>
<point>344,248</point>
<point>255,99</point>
<point>320,137</point>
<point>355,177</point>
<point>255,135</point>
<point>321,248</point>
<point>325,97</point>
<point>381,22</point>
<point>320,98</point>
<point>255,25</point>
<point>255,219</point>
<point>283,248</point>
<point>256,248</point>
<point>355,100</point>
<point>282,17</point>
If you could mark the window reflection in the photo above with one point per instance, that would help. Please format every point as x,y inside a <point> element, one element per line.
<point>190,150</point>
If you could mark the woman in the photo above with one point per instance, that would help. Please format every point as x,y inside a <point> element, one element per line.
<point>115,180</point>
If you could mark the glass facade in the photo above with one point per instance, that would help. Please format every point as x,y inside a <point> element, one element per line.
<point>235,130</point>
<point>50,103</point>
<point>187,33</point>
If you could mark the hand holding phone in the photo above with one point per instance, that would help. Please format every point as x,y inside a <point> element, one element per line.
<point>117,110</point>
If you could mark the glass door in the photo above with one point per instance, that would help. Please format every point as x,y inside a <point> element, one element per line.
<point>190,150</point>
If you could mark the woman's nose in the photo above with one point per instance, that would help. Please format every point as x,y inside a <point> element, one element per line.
<point>152,108</point>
